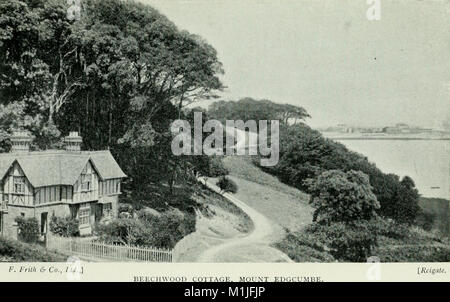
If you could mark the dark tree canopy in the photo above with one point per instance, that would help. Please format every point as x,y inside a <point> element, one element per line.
<point>339,196</point>
<point>119,75</point>
<point>250,109</point>
<point>106,75</point>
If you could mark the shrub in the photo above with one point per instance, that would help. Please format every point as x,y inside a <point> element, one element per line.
<point>353,242</point>
<point>227,185</point>
<point>407,205</point>
<point>28,229</point>
<point>216,167</point>
<point>297,249</point>
<point>419,253</point>
<point>125,208</point>
<point>19,251</point>
<point>148,229</point>
<point>121,231</point>
<point>338,241</point>
<point>65,226</point>
<point>170,227</point>
<point>339,196</point>
<point>425,220</point>
<point>392,229</point>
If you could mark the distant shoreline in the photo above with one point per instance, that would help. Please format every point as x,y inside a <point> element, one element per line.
<point>387,138</point>
<point>340,136</point>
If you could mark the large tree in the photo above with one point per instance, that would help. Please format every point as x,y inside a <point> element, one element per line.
<point>108,74</point>
<point>120,74</point>
<point>39,60</point>
<point>250,109</point>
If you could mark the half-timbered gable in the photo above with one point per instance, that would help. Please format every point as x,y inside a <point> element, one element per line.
<point>86,186</point>
<point>16,189</point>
<point>71,182</point>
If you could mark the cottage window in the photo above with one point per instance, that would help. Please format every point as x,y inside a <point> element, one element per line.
<point>86,182</point>
<point>19,185</point>
<point>84,214</point>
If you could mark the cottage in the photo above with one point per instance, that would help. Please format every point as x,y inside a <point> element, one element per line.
<point>80,184</point>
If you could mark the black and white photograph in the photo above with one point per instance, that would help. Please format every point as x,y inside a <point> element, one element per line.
<point>213,131</point>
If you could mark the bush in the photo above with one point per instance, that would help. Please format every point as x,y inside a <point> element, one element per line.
<point>425,220</point>
<point>149,229</point>
<point>216,167</point>
<point>66,227</point>
<point>126,208</point>
<point>120,231</point>
<point>353,242</point>
<point>227,185</point>
<point>338,241</point>
<point>28,229</point>
<point>339,196</point>
<point>19,251</point>
<point>392,229</point>
<point>419,253</point>
<point>297,249</point>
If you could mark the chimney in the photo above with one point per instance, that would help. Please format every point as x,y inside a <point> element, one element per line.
<point>73,142</point>
<point>20,141</point>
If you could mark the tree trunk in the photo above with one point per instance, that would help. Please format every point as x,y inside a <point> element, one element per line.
<point>110,125</point>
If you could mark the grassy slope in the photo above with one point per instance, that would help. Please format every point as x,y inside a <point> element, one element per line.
<point>439,208</point>
<point>242,167</point>
<point>214,205</point>
<point>15,251</point>
<point>259,190</point>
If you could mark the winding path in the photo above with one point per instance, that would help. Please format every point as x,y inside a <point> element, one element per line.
<point>254,246</point>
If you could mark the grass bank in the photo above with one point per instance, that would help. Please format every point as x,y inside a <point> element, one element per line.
<point>242,167</point>
<point>15,251</point>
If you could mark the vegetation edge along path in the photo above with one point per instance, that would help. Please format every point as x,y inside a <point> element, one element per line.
<point>258,239</point>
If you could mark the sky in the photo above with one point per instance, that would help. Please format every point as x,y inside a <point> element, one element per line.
<point>327,57</point>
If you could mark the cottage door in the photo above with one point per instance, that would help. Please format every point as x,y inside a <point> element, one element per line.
<point>98,212</point>
<point>44,223</point>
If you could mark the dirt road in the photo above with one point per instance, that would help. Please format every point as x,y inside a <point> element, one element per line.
<point>254,246</point>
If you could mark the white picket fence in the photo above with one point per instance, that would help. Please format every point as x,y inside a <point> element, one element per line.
<point>99,250</point>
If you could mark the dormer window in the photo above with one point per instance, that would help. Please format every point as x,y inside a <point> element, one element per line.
<point>19,185</point>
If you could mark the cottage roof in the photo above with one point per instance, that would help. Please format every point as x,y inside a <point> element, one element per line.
<point>50,168</point>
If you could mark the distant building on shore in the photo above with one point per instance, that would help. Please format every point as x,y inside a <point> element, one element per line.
<point>398,129</point>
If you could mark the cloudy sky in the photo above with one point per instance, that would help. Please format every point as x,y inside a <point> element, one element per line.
<point>328,57</point>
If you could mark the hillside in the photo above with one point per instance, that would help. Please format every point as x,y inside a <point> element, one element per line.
<point>242,167</point>
<point>288,207</point>
<point>15,251</point>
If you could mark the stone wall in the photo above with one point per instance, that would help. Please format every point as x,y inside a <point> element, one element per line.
<point>9,227</point>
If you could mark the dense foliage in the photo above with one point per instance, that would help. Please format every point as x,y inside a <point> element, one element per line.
<point>305,154</point>
<point>342,197</point>
<point>149,228</point>
<point>120,75</point>
<point>250,109</point>
<point>15,251</point>
<point>386,239</point>
<point>28,229</point>
<point>347,191</point>
<point>227,185</point>
<point>64,226</point>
